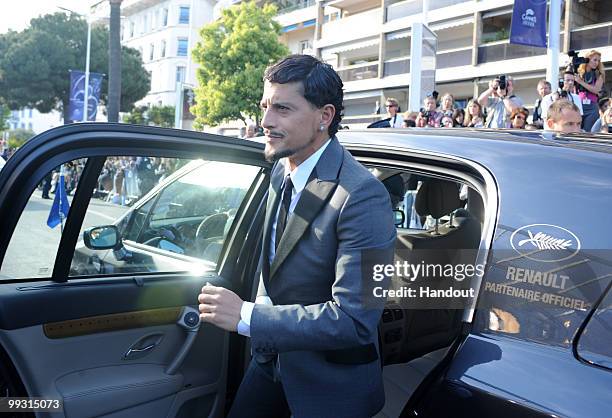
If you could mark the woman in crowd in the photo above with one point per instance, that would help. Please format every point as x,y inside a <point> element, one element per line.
<point>591,78</point>
<point>458,118</point>
<point>447,104</point>
<point>518,118</point>
<point>474,117</point>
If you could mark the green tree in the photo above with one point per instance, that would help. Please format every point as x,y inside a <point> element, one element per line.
<point>136,116</point>
<point>18,137</point>
<point>157,116</point>
<point>161,116</point>
<point>35,63</point>
<point>5,115</point>
<point>233,53</point>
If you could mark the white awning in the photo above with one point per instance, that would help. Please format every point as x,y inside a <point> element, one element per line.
<point>453,23</point>
<point>362,94</point>
<point>398,35</point>
<point>350,46</point>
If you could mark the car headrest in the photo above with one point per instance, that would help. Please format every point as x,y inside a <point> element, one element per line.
<point>395,187</point>
<point>437,198</point>
<point>475,205</point>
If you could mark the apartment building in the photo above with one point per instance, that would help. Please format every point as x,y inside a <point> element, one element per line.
<point>33,120</point>
<point>165,32</point>
<point>368,42</point>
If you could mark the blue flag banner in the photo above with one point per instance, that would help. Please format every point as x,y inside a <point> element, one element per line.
<point>60,207</point>
<point>77,95</point>
<point>529,23</point>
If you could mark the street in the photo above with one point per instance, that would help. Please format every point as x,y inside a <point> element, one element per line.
<point>33,226</point>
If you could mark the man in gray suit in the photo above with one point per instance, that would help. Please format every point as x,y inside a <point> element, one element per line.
<point>313,326</point>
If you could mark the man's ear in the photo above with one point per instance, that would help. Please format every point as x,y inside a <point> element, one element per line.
<point>328,112</point>
<point>550,123</point>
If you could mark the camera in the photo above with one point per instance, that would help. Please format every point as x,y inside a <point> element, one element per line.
<point>426,114</point>
<point>503,84</point>
<point>576,61</point>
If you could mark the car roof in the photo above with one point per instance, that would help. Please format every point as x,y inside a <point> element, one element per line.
<point>536,140</point>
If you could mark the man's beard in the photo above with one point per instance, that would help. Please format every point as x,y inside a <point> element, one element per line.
<point>272,156</point>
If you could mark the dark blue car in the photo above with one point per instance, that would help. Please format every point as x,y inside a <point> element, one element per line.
<point>500,303</point>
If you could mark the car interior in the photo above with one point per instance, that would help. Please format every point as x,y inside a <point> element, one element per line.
<point>440,222</point>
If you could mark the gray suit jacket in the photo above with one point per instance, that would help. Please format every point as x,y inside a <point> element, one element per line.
<point>320,282</point>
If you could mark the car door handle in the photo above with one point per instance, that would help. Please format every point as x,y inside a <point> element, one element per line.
<point>143,346</point>
<point>139,350</point>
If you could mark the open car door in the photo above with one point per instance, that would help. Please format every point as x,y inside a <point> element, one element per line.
<point>98,301</point>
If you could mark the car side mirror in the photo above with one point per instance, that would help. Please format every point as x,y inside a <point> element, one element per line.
<point>105,237</point>
<point>399,216</point>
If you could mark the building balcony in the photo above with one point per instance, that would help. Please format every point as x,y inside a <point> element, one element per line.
<point>358,71</point>
<point>292,6</point>
<point>504,50</point>
<point>454,57</point>
<point>343,30</point>
<point>396,66</point>
<point>438,4</point>
<point>592,36</point>
<point>404,8</point>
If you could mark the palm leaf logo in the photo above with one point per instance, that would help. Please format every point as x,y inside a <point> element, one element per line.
<point>546,242</point>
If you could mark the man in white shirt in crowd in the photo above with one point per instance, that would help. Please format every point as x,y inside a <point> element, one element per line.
<point>395,119</point>
<point>564,93</point>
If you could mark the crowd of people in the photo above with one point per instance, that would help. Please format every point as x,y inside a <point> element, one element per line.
<point>498,106</point>
<point>123,180</point>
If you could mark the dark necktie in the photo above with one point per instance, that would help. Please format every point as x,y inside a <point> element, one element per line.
<point>284,210</point>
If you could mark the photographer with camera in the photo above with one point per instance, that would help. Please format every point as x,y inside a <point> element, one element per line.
<point>502,102</point>
<point>590,80</point>
<point>428,116</point>
<point>565,92</point>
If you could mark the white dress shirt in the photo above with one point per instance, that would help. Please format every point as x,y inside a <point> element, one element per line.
<point>299,178</point>
<point>547,101</point>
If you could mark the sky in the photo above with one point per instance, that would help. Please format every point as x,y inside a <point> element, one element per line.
<point>17,16</point>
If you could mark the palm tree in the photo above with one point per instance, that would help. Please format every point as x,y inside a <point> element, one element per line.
<point>114,61</point>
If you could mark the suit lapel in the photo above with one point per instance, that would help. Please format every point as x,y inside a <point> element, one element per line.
<point>314,197</point>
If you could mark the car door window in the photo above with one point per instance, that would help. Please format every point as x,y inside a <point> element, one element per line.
<point>33,247</point>
<point>595,344</point>
<point>181,225</point>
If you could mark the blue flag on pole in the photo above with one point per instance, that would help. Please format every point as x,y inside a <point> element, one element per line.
<point>77,95</point>
<point>60,207</point>
<point>529,23</point>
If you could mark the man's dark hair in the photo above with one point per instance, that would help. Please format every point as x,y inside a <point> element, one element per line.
<point>320,83</point>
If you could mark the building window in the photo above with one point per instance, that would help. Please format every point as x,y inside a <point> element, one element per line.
<point>163,49</point>
<point>184,14</point>
<point>30,126</point>
<point>145,24</point>
<point>181,51</point>
<point>151,52</point>
<point>22,125</point>
<point>305,47</point>
<point>30,113</point>
<point>164,17</point>
<point>180,74</point>
<point>132,27</point>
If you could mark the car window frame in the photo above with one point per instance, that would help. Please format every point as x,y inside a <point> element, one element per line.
<point>96,141</point>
